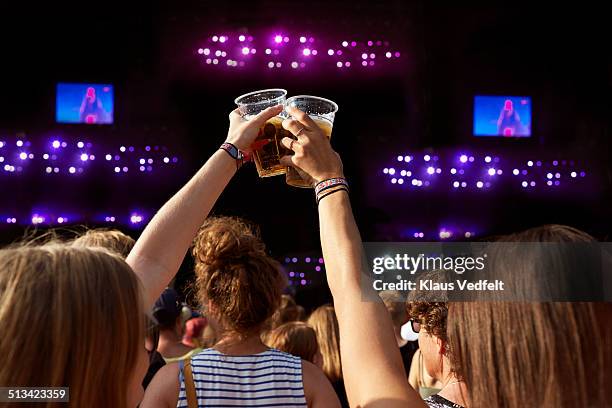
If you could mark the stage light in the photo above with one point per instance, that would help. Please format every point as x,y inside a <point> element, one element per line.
<point>487,159</point>
<point>468,234</point>
<point>530,163</point>
<point>400,181</point>
<point>555,163</point>
<point>56,144</point>
<point>23,156</point>
<point>122,149</point>
<point>400,158</point>
<point>492,172</point>
<point>456,184</point>
<point>463,158</point>
<point>372,55</point>
<point>330,52</point>
<point>479,184</point>
<point>453,171</point>
<point>318,268</point>
<point>241,38</point>
<point>370,43</point>
<point>270,64</point>
<point>407,159</point>
<point>222,39</point>
<point>278,39</point>
<point>515,172</point>
<point>136,218</point>
<point>339,52</point>
<point>117,169</point>
<point>302,40</point>
<point>48,170</point>
<point>549,183</point>
<point>84,157</point>
<point>64,144</point>
<point>364,63</point>
<point>573,174</point>
<point>532,184</point>
<point>403,173</point>
<point>431,170</point>
<point>339,64</point>
<point>393,180</point>
<point>1,144</point>
<point>364,56</point>
<point>463,184</point>
<point>388,54</point>
<point>392,171</point>
<point>61,220</point>
<point>524,184</point>
<point>549,175</point>
<point>539,163</point>
<point>245,51</point>
<point>37,219</point>
<point>397,54</point>
<point>582,174</point>
<point>306,52</point>
<point>19,143</point>
<point>386,170</point>
<point>427,157</point>
<point>345,43</point>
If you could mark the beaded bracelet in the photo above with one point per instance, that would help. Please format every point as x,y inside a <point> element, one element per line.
<point>325,184</point>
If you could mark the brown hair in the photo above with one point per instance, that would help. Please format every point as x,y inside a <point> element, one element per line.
<point>533,354</point>
<point>432,317</point>
<point>295,338</point>
<point>110,239</point>
<point>234,272</point>
<point>323,320</point>
<point>70,316</point>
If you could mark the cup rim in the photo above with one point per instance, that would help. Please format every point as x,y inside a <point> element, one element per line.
<point>334,104</point>
<point>284,91</point>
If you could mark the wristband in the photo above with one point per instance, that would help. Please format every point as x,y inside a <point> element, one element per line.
<point>325,184</point>
<point>235,153</point>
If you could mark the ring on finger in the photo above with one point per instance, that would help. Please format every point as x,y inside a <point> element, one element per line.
<point>300,131</point>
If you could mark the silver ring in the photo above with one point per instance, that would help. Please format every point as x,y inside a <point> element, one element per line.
<point>299,131</point>
<point>291,144</point>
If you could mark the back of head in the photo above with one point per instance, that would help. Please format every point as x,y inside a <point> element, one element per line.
<point>70,316</point>
<point>167,309</point>
<point>532,354</point>
<point>111,239</point>
<point>295,338</point>
<point>287,312</point>
<point>236,275</point>
<point>395,304</point>
<point>323,321</point>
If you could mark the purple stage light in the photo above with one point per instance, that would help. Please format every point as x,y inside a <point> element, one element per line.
<point>23,156</point>
<point>71,170</point>
<point>427,157</point>
<point>530,163</point>
<point>291,274</point>
<point>330,52</point>
<point>364,63</point>
<point>339,64</point>
<point>393,180</point>
<point>318,268</point>
<point>294,260</point>
<point>302,40</point>
<point>306,52</point>
<point>223,39</point>
<point>370,43</point>
<point>37,219</point>
<point>80,145</point>
<point>353,43</point>
<point>463,184</point>
<point>463,158</point>
<point>573,174</point>
<point>524,184</point>
<point>84,157</point>
<point>241,38</point>
<point>431,170</point>
<point>56,144</point>
<point>278,39</point>
<point>388,54</point>
<point>487,159</point>
<point>245,51</point>
<point>19,143</point>
<point>456,184</point>
<point>345,43</point>
<point>479,184</point>
<point>492,171</point>
<point>1,144</point>
<point>61,220</point>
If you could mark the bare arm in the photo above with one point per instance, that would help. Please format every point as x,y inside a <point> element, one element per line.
<point>372,367</point>
<point>159,251</point>
<point>317,388</point>
<point>163,391</point>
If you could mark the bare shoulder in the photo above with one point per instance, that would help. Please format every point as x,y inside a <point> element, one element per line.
<point>163,391</point>
<point>317,388</point>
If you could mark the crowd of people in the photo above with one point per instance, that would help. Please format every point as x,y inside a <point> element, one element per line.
<point>95,314</point>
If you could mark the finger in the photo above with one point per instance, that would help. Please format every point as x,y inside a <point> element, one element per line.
<point>301,117</point>
<point>295,127</point>
<point>292,144</point>
<point>287,161</point>
<point>266,115</point>
<point>235,115</point>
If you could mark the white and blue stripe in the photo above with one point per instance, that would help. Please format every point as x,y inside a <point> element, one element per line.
<point>268,379</point>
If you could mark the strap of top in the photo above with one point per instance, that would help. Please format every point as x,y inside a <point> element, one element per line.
<point>192,400</point>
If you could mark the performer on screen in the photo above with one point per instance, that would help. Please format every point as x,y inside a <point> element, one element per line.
<point>509,121</point>
<point>91,110</point>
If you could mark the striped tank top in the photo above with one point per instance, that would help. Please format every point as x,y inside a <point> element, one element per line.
<point>269,379</point>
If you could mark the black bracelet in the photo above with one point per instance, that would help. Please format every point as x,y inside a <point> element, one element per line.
<point>330,187</point>
<point>322,196</point>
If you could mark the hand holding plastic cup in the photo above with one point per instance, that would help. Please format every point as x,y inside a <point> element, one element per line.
<point>322,111</point>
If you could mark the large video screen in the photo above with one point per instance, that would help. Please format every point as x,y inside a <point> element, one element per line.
<point>504,116</point>
<point>90,104</point>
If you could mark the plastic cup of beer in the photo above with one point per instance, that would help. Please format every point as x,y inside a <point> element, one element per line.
<point>269,148</point>
<point>322,111</point>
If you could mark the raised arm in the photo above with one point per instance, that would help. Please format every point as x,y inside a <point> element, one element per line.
<point>159,251</point>
<point>371,364</point>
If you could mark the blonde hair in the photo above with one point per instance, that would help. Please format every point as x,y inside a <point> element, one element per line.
<point>287,312</point>
<point>70,316</point>
<point>323,321</point>
<point>110,239</point>
<point>396,306</point>
<point>295,338</point>
<point>533,354</point>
